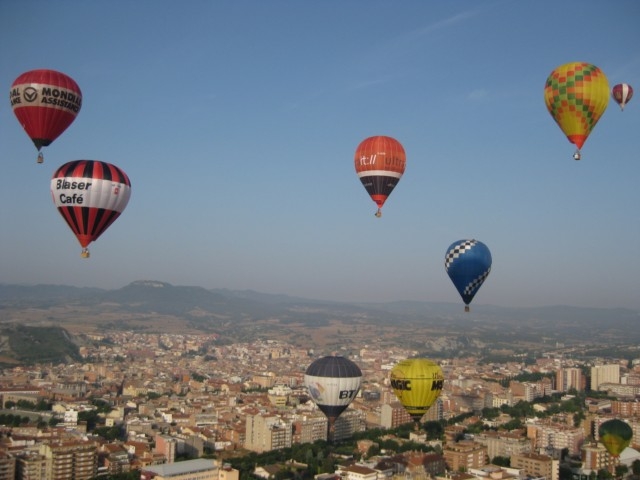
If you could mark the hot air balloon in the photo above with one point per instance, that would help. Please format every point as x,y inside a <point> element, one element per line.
<point>576,95</point>
<point>380,163</point>
<point>622,93</point>
<point>468,263</point>
<point>333,382</point>
<point>615,435</point>
<point>90,195</point>
<point>417,382</point>
<point>45,102</point>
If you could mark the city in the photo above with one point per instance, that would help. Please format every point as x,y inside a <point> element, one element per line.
<point>140,402</point>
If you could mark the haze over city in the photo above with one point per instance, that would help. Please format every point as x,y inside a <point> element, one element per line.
<point>237,124</point>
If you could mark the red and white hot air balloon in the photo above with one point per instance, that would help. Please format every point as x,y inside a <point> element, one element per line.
<point>622,93</point>
<point>45,102</point>
<point>90,195</point>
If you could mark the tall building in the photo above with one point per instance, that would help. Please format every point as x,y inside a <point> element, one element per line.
<point>552,438</point>
<point>568,378</point>
<point>308,429</point>
<point>393,414</point>
<point>166,445</point>
<point>75,459</point>
<point>349,422</point>
<point>435,412</point>
<point>30,466</point>
<point>464,455</point>
<point>604,374</point>
<point>503,444</point>
<point>537,466</point>
<point>265,432</point>
<point>595,457</point>
<point>7,466</point>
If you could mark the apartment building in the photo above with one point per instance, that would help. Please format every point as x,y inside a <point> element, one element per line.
<point>393,414</point>
<point>464,455</point>
<point>604,374</point>
<point>70,459</point>
<point>537,466</point>
<point>265,432</point>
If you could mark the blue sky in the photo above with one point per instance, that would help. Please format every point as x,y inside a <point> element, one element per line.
<point>237,122</point>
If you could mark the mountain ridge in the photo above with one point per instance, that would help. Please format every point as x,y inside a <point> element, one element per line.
<point>144,302</point>
<point>488,332</point>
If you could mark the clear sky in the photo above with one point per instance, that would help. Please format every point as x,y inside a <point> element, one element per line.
<point>237,122</point>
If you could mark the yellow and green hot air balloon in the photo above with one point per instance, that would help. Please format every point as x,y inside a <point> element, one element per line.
<point>576,95</point>
<point>615,435</point>
<point>417,382</point>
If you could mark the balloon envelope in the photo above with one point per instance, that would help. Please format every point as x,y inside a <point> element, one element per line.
<point>333,382</point>
<point>576,95</point>
<point>45,103</point>
<point>417,382</point>
<point>615,435</point>
<point>90,195</point>
<point>468,263</point>
<point>380,162</point>
<point>622,93</point>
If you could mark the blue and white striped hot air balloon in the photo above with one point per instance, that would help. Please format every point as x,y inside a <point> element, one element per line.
<point>468,263</point>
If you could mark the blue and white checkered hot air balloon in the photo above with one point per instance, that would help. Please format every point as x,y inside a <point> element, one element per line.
<point>468,263</point>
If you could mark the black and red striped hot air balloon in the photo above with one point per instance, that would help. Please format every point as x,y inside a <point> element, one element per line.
<point>45,103</point>
<point>90,195</point>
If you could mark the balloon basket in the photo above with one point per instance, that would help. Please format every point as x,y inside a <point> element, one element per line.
<point>378,214</point>
<point>40,158</point>
<point>576,155</point>
<point>85,253</point>
<point>466,308</point>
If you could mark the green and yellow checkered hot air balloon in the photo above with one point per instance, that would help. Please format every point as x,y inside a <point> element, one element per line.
<point>615,435</point>
<point>576,95</point>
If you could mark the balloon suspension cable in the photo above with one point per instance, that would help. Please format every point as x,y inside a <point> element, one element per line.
<point>576,155</point>
<point>40,157</point>
<point>378,213</point>
<point>466,308</point>
<point>85,253</point>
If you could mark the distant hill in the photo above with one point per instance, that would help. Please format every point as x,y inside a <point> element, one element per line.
<point>20,344</point>
<point>155,306</point>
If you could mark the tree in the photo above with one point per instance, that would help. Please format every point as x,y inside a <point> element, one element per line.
<point>621,470</point>
<point>501,461</point>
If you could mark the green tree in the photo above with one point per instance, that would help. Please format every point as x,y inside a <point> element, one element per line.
<point>565,472</point>
<point>604,474</point>
<point>621,470</point>
<point>501,461</point>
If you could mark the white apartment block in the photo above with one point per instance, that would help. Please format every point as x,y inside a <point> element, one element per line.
<point>604,374</point>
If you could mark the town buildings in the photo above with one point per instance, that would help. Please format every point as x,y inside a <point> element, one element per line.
<point>181,396</point>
